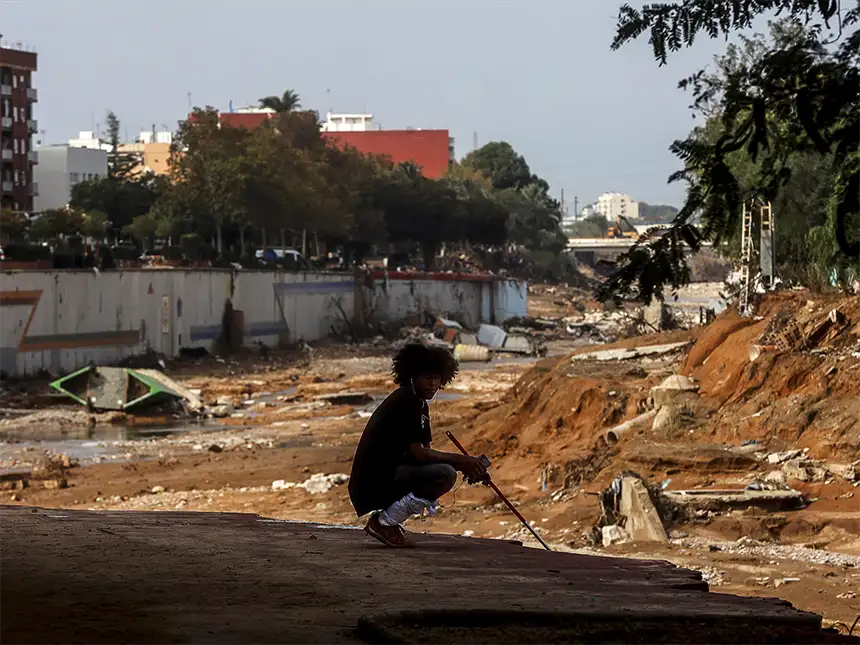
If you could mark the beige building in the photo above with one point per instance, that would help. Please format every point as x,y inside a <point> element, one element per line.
<point>615,205</point>
<point>155,157</point>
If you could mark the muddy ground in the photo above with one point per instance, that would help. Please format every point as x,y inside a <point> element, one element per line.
<point>540,422</point>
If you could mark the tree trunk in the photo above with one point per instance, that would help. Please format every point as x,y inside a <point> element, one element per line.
<point>242,241</point>
<point>263,237</point>
<point>283,238</point>
<point>219,236</point>
<point>304,242</point>
<point>429,249</point>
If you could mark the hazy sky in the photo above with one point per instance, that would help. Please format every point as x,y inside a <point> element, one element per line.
<point>537,74</point>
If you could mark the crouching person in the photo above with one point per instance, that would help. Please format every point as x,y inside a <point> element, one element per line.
<point>395,472</point>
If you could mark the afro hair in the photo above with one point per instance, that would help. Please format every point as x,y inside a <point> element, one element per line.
<point>416,359</point>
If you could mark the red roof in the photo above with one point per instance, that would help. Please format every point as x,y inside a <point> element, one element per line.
<point>426,148</point>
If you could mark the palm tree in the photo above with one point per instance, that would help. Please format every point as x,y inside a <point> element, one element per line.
<point>288,102</point>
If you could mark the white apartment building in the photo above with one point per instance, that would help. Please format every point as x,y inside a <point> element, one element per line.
<point>61,167</point>
<point>347,122</point>
<point>87,139</point>
<point>615,205</point>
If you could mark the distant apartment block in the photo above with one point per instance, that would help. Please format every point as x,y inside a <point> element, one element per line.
<point>615,205</point>
<point>17,126</point>
<point>60,168</point>
<point>152,147</point>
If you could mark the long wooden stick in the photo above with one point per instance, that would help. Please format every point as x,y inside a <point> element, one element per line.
<point>489,482</point>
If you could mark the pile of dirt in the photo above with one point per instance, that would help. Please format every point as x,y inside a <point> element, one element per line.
<point>802,388</point>
<point>804,396</point>
<point>553,416</point>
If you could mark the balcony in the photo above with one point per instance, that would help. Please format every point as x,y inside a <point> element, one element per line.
<point>7,122</point>
<point>33,189</point>
<point>32,125</point>
<point>7,154</point>
<point>32,94</point>
<point>5,90</point>
<point>7,186</point>
<point>33,156</point>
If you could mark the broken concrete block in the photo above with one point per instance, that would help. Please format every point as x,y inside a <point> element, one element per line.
<point>779,457</point>
<point>491,336</point>
<point>804,470</point>
<point>613,534</point>
<point>664,418</point>
<point>776,477</point>
<point>657,315</point>
<point>671,389</point>
<point>848,472</point>
<point>221,411</point>
<point>643,521</point>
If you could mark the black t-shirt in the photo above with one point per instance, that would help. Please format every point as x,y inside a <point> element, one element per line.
<point>402,419</point>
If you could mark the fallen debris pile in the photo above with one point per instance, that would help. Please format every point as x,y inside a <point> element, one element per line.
<point>318,483</point>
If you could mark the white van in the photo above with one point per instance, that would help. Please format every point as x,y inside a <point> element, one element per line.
<point>290,258</point>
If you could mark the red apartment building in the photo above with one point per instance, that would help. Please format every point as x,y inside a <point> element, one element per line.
<point>433,150</point>
<point>17,125</point>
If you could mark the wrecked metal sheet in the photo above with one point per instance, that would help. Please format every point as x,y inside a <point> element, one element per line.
<point>118,388</point>
<point>631,352</point>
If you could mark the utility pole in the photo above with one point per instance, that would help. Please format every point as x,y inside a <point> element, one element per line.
<point>575,206</point>
<point>474,141</point>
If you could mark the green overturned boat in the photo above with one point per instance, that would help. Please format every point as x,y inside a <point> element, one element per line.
<point>126,389</point>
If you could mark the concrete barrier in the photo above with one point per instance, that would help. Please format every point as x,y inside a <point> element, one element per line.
<point>60,320</point>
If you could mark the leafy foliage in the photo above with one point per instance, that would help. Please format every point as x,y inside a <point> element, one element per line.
<point>231,186</point>
<point>121,164</point>
<point>799,94</point>
<point>592,226</point>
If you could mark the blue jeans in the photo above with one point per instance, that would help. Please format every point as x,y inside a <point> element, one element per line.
<point>428,482</point>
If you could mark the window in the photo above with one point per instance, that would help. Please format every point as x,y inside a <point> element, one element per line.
<point>73,177</point>
<point>14,81</point>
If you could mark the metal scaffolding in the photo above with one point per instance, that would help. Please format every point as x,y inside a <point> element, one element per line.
<point>767,264</point>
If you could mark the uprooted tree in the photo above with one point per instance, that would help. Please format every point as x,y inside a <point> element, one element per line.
<point>797,96</point>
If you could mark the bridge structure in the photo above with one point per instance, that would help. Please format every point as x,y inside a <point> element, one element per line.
<point>591,249</point>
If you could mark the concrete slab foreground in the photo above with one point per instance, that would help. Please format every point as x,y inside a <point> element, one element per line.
<point>111,577</point>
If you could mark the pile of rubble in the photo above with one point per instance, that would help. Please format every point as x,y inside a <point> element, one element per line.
<point>480,345</point>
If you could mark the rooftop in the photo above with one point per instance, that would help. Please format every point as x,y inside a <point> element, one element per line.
<point>132,577</point>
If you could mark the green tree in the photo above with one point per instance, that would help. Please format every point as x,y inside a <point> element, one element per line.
<point>211,173</point>
<point>288,102</point>
<point>501,164</point>
<point>94,224</point>
<point>121,164</point>
<point>13,225</point>
<point>809,84</point>
<point>657,213</point>
<point>592,226</point>
<point>54,224</point>
<point>120,199</point>
<point>420,210</point>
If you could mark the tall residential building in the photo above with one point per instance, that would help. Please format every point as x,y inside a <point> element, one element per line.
<point>615,205</point>
<point>17,125</point>
<point>61,167</point>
